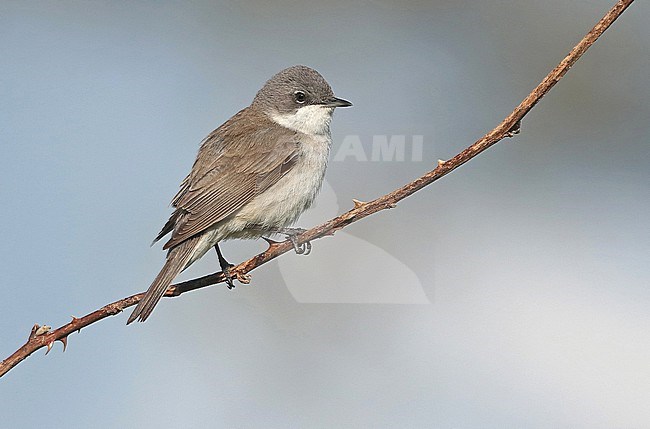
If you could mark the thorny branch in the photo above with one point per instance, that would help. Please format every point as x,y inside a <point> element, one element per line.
<point>41,336</point>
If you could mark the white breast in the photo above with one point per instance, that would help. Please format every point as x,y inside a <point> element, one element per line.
<point>284,202</point>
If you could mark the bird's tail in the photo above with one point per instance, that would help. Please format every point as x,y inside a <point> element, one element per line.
<point>177,259</point>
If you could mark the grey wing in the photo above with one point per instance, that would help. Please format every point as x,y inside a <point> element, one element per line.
<point>222,180</point>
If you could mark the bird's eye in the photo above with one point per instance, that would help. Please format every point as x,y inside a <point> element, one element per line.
<point>300,96</point>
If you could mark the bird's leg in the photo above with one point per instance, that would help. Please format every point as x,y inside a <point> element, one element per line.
<point>292,234</point>
<point>225,267</point>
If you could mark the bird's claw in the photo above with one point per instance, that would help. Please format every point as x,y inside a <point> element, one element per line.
<point>292,235</point>
<point>229,277</point>
<point>244,278</point>
<point>300,249</point>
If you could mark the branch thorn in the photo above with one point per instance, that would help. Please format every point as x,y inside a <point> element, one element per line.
<point>357,203</point>
<point>270,241</point>
<point>75,320</point>
<point>64,341</point>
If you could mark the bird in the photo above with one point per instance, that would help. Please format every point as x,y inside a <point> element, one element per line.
<point>253,176</point>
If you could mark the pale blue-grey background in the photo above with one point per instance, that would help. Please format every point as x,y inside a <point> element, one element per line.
<point>534,256</point>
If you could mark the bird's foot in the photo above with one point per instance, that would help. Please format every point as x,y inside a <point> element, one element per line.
<point>244,278</point>
<point>292,235</point>
<point>226,268</point>
<point>228,276</point>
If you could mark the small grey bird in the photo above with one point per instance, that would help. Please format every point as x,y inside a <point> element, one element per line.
<point>253,176</point>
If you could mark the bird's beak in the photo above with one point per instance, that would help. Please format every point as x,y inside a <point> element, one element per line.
<point>336,102</point>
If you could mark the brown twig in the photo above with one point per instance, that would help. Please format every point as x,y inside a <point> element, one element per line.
<point>42,337</point>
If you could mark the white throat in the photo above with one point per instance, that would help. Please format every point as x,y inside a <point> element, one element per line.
<point>311,120</point>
